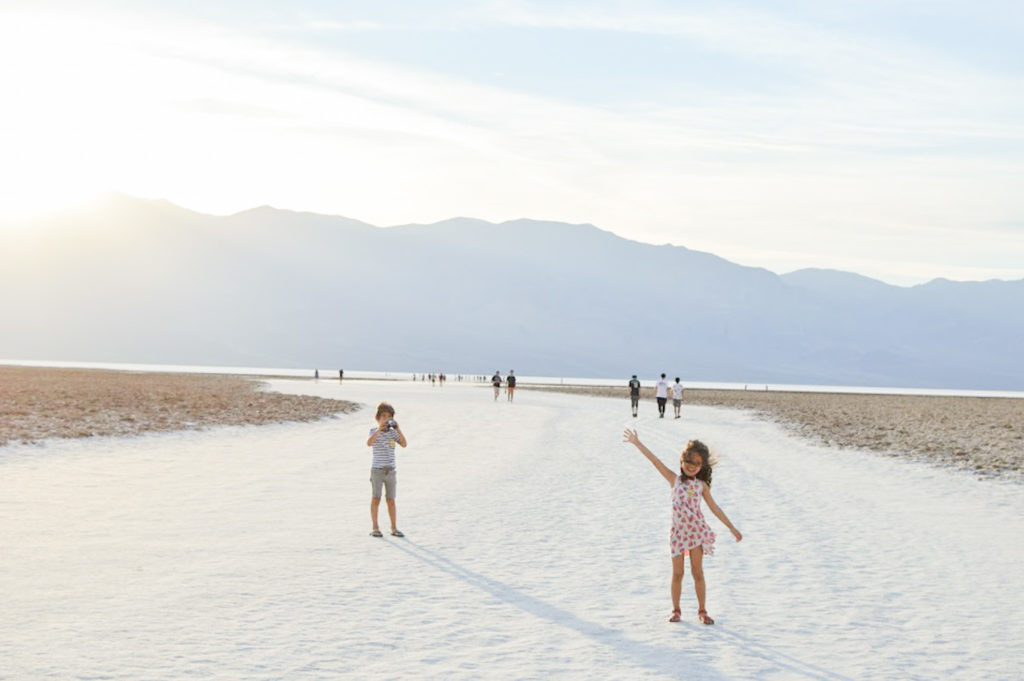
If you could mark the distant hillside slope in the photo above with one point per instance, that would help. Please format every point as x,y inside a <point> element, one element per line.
<point>147,281</point>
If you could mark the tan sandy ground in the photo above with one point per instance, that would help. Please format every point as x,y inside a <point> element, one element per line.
<point>40,403</point>
<point>985,434</point>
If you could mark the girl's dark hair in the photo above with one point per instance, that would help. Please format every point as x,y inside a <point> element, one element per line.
<point>701,449</point>
<point>385,407</point>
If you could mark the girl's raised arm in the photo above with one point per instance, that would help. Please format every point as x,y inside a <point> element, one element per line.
<point>631,437</point>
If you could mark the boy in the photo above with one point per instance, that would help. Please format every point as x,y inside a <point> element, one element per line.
<point>383,439</point>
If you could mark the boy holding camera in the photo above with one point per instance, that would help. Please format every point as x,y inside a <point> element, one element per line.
<point>383,439</point>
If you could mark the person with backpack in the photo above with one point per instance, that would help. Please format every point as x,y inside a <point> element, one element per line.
<point>634,393</point>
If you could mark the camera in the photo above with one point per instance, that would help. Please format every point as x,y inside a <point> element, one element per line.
<point>390,423</point>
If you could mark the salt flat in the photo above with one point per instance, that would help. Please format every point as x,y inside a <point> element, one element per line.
<point>537,548</point>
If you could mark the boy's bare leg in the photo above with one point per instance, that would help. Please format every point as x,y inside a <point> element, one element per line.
<point>374,506</point>
<point>393,514</point>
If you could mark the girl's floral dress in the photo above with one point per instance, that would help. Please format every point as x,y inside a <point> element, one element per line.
<point>689,529</point>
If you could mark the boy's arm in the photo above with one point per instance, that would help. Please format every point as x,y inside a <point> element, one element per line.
<point>373,437</point>
<point>401,436</point>
<point>719,513</point>
<point>631,437</point>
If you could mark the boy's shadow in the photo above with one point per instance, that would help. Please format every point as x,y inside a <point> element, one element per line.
<point>668,661</point>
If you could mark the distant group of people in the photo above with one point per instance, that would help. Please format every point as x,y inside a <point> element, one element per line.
<point>510,384</point>
<point>662,390</point>
<point>341,374</point>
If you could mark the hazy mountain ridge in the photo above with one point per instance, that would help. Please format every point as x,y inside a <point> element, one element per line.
<point>152,282</point>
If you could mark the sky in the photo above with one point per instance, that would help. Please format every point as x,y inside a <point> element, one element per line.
<point>884,138</point>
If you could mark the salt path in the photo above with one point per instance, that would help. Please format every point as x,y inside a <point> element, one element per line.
<point>536,549</point>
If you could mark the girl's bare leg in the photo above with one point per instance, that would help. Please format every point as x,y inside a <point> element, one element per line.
<point>697,568</point>
<point>677,580</point>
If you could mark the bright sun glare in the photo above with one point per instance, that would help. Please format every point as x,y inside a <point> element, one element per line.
<point>48,129</point>
<point>20,210</point>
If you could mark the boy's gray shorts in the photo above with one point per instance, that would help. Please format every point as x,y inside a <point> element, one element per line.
<point>383,477</point>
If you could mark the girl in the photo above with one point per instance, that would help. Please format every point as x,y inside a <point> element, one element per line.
<point>690,532</point>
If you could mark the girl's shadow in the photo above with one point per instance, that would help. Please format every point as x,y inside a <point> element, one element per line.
<point>668,661</point>
<point>777,659</point>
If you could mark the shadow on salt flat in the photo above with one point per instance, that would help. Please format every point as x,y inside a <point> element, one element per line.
<point>780,660</point>
<point>660,660</point>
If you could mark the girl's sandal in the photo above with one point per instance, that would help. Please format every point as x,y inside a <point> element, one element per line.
<point>702,615</point>
<point>675,616</point>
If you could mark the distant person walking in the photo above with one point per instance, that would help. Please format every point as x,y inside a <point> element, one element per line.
<point>511,383</point>
<point>691,534</point>
<point>341,375</point>
<point>677,396</point>
<point>634,394</point>
<point>383,439</point>
<point>496,382</point>
<point>661,393</point>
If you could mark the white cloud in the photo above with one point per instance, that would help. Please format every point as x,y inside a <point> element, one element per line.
<point>882,143</point>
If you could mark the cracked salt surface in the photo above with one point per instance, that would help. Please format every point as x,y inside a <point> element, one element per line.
<point>537,548</point>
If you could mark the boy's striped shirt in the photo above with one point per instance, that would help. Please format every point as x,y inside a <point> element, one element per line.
<point>384,448</point>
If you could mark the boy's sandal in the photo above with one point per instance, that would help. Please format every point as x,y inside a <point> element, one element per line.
<point>397,533</point>
<point>702,615</point>
<point>675,616</point>
<point>376,533</point>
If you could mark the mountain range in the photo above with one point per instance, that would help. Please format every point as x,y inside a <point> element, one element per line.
<point>133,280</point>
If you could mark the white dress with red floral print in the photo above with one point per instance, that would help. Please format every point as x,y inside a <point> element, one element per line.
<point>689,529</point>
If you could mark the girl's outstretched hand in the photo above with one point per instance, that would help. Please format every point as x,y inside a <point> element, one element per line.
<point>736,533</point>
<point>631,437</point>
